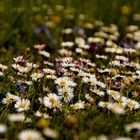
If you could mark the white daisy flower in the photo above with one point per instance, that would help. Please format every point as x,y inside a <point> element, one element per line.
<point>65,81</point>
<point>30,134</point>
<point>44,53</point>
<point>9,98</point>
<point>79,105</point>
<point>113,93</point>
<point>51,101</point>
<point>3,128</point>
<point>66,93</point>
<point>3,67</point>
<point>132,104</point>
<point>22,104</point>
<point>98,92</point>
<point>35,76</point>
<point>18,117</point>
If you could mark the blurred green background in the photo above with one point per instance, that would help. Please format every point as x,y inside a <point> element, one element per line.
<point>18,18</point>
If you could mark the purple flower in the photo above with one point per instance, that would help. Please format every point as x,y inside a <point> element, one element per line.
<point>19,82</point>
<point>93,47</point>
<point>126,45</point>
<point>21,89</point>
<point>36,30</point>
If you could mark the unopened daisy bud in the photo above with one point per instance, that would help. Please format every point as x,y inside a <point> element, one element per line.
<point>42,123</point>
<point>71,121</point>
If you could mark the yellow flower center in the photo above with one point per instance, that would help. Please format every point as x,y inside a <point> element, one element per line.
<point>22,105</point>
<point>52,100</point>
<point>24,71</point>
<point>131,103</point>
<point>113,93</point>
<point>63,82</point>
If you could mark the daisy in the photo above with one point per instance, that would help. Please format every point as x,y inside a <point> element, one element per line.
<point>101,56</point>
<point>132,104</point>
<point>9,98</point>
<point>18,117</point>
<point>51,77</point>
<point>30,134</point>
<point>35,76</point>
<point>101,84</point>
<point>98,92</point>
<point>51,133</point>
<point>49,71</point>
<point>79,105</point>
<point>67,31</point>
<point>113,93</point>
<point>23,69</point>
<point>65,81</point>
<point>51,100</point>
<point>44,53</point>
<point>19,59</point>
<point>16,66</point>
<point>1,73</point>
<point>103,104</point>
<point>66,93</point>
<point>22,104</point>
<point>117,109</point>
<point>3,67</point>
<point>80,41</point>
<point>41,114</point>
<point>31,65</point>
<point>40,46</point>
<point>68,44</point>
<point>3,128</point>
<point>65,52</point>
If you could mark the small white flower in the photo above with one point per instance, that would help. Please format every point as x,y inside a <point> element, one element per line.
<point>19,117</point>
<point>22,104</point>
<point>113,93</point>
<point>66,93</point>
<point>117,109</point>
<point>50,133</point>
<point>9,98</point>
<point>35,76</point>
<point>44,53</point>
<point>79,105</point>
<point>30,134</point>
<point>49,71</point>
<point>98,92</point>
<point>1,73</point>
<point>51,101</point>
<point>65,81</point>
<point>40,114</point>
<point>23,69</point>
<point>3,67</point>
<point>19,59</point>
<point>132,104</point>
<point>3,128</point>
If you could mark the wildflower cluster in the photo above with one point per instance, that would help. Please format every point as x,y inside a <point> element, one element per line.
<point>93,73</point>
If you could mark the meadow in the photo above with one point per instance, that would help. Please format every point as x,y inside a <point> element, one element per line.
<point>69,70</point>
